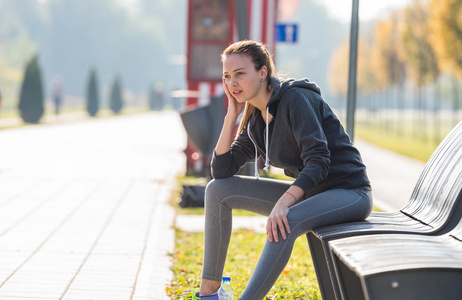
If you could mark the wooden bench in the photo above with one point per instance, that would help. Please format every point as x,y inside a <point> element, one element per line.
<point>434,208</point>
<point>400,266</point>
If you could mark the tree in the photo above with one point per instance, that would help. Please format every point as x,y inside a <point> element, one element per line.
<point>92,94</point>
<point>338,70</point>
<point>418,49</point>
<point>31,100</point>
<point>418,52</point>
<point>388,67</point>
<point>446,35</point>
<point>367,81</point>
<point>116,101</point>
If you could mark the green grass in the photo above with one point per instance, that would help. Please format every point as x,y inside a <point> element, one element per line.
<point>297,281</point>
<point>409,137</point>
<point>409,146</point>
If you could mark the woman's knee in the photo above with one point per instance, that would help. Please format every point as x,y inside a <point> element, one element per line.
<point>213,188</point>
<point>217,189</point>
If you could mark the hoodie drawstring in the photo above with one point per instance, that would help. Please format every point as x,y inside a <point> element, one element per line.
<point>266,142</point>
<point>266,168</point>
<point>256,153</point>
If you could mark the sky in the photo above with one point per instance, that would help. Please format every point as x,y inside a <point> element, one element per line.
<point>368,9</point>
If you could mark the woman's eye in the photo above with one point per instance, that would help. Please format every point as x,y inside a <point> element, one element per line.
<point>226,76</point>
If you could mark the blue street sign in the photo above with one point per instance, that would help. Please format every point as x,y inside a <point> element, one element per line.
<point>286,33</point>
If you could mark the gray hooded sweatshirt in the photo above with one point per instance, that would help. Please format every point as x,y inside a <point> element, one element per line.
<point>304,138</point>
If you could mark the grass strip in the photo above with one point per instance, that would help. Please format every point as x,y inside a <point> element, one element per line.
<point>297,281</point>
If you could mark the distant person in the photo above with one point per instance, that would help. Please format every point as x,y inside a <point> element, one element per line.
<point>288,124</point>
<point>57,95</point>
<point>156,97</point>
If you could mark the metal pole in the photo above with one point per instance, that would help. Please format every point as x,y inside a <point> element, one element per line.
<point>351,100</point>
<point>242,19</point>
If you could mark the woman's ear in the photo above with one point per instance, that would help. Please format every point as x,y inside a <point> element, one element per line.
<point>263,73</point>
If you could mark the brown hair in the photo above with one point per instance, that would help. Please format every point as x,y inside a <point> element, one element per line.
<point>260,57</point>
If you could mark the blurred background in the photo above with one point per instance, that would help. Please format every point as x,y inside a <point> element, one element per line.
<point>128,53</point>
<point>137,41</point>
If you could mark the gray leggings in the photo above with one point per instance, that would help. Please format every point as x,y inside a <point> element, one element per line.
<point>259,196</point>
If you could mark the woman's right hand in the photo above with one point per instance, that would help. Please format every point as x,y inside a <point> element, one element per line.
<point>234,107</point>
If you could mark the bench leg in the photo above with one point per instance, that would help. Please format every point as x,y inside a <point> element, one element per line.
<point>350,285</point>
<point>327,282</point>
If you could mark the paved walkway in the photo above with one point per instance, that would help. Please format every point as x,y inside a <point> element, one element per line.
<point>393,176</point>
<point>83,208</point>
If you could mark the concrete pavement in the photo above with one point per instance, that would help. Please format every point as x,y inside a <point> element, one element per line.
<point>392,175</point>
<point>83,208</point>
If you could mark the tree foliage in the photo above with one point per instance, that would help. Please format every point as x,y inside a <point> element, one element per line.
<point>31,100</point>
<point>419,53</point>
<point>366,74</point>
<point>92,94</point>
<point>446,33</point>
<point>415,42</point>
<point>338,68</point>
<point>115,100</point>
<point>389,68</point>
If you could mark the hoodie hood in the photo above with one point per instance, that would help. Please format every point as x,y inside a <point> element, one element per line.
<point>281,85</point>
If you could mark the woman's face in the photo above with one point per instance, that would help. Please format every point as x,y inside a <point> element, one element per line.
<point>241,78</point>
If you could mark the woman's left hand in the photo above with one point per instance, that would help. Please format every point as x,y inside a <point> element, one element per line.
<point>278,219</point>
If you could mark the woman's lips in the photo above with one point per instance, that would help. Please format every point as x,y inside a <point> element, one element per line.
<point>237,93</point>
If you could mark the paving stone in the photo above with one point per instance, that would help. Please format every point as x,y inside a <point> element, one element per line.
<point>87,216</point>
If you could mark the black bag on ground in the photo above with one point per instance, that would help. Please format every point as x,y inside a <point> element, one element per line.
<point>192,196</point>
